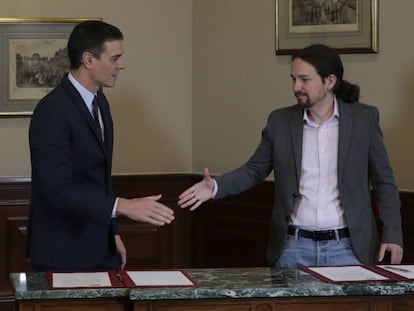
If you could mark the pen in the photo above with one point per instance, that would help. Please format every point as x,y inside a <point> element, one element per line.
<point>118,274</point>
<point>397,269</point>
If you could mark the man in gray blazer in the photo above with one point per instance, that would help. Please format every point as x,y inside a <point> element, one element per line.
<point>328,156</point>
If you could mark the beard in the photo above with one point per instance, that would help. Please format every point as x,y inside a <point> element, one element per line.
<point>303,100</point>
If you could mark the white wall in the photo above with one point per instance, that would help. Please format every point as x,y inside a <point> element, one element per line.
<point>202,76</point>
<point>238,80</point>
<point>151,104</point>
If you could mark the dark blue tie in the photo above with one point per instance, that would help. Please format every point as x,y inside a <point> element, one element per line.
<point>95,110</point>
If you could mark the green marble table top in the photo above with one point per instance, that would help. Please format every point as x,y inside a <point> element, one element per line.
<point>216,283</point>
<point>33,286</point>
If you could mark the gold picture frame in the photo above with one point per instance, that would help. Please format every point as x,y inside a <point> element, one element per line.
<point>349,26</point>
<point>33,60</point>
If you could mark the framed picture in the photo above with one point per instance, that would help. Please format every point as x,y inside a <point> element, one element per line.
<point>33,59</point>
<point>349,26</point>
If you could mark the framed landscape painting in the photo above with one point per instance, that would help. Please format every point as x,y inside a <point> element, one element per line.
<point>349,26</point>
<point>33,61</point>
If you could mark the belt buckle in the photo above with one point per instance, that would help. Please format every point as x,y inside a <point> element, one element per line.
<point>323,235</point>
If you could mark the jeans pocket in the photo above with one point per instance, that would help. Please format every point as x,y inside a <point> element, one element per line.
<point>289,240</point>
<point>346,242</point>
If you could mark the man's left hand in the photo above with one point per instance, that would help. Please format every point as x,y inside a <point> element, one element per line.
<point>121,250</point>
<point>396,252</point>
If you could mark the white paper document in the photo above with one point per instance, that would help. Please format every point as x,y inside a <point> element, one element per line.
<point>159,278</point>
<point>79,279</point>
<point>348,273</point>
<point>406,271</point>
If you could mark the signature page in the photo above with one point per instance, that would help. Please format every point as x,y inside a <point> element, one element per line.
<point>346,274</point>
<point>159,278</point>
<point>81,279</point>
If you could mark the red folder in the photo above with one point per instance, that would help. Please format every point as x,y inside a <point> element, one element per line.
<point>362,273</point>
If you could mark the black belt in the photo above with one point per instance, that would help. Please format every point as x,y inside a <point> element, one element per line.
<point>320,235</point>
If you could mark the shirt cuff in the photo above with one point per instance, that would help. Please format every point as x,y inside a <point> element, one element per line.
<point>215,190</point>
<point>114,208</point>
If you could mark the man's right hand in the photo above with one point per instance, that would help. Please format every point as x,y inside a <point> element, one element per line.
<point>200,192</point>
<point>145,209</point>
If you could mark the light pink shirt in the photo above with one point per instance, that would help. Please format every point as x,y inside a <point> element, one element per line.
<point>318,206</point>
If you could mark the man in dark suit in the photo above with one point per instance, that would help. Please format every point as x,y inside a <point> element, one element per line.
<point>72,219</point>
<point>327,155</point>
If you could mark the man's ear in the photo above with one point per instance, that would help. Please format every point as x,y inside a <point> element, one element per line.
<point>331,81</point>
<point>87,59</point>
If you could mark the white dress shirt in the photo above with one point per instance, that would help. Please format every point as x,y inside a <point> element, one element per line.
<point>318,206</point>
<point>87,97</point>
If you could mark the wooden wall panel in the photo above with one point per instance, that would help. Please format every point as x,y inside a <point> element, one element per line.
<point>233,232</point>
<point>8,211</point>
<point>16,260</point>
<point>147,246</point>
<point>173,241</point>
<point>407,215</point>
<point>229,241</point>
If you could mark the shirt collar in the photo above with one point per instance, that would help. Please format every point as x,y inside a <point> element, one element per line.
<point>335,112</point>
<point>86,95</point>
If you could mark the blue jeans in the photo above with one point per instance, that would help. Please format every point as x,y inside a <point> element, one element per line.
<point>299,251</point>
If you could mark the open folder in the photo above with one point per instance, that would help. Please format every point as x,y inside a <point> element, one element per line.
<point>123,278</point>
<point>362,273</point>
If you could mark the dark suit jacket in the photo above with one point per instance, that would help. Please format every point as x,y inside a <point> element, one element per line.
<point>70,223</point>
<point>362,164</point>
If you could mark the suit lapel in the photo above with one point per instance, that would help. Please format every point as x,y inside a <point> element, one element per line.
<point>296,130</point>
<point>81,106</point>
<point>346,121</point>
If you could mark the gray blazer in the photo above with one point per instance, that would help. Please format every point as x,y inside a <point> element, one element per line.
<point>363,165</point>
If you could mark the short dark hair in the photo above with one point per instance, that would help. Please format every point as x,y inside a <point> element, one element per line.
<point>326,61</point>
<point>89,36</point>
